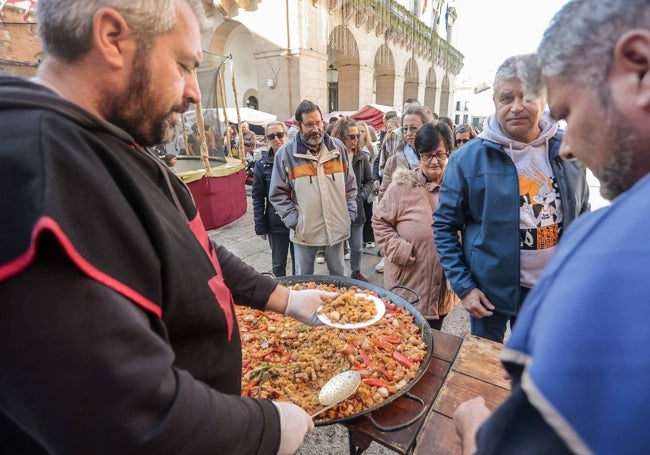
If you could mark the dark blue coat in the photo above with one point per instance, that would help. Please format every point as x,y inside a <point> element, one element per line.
<point>267,221</point>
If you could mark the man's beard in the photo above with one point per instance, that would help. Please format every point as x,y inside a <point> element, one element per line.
<point>139,111</point>
<point>313,138</point>
<point>615,177</point>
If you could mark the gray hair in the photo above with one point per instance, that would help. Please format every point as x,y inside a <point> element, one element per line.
<point>66,26</point>
<point>274,123</point>
<point>515,67</point>
<point>581,39</point>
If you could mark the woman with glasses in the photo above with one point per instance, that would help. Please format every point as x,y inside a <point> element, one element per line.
<point>464,133</point>
<point>268,224</point>
<point>402,224</point>
<point>348,131</point>
<point>413,118</point>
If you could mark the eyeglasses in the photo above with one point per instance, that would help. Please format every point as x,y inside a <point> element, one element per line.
<point>352,137</point>
<point>426,158</point>
<point>462,141</point>
<point>272,136</point>
<point>312,125</point>
<point>407,129</point>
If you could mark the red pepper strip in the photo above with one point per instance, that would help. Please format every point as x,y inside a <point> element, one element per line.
<point>249,387</point>
<point>392,340</point>
<point>375,382</point>
<point>260,354</point>
<point>403,360</point>
<point>385,346</point>
<point>364,357</point>
<point>385,373</point>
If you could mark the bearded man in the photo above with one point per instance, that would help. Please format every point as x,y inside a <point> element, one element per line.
<point>314,190</point>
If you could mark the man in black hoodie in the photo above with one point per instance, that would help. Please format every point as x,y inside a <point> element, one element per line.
<point>118,332</point>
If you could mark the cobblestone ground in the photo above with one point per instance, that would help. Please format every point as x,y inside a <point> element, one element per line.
<point>239,237</point>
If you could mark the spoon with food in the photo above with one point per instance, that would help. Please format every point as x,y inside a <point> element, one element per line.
<point>339,388</point>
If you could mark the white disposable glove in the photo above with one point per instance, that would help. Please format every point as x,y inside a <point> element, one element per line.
<point>295,423</point>
<point>302,305</point>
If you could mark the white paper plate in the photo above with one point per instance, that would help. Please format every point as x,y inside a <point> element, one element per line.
<point>379,306</point>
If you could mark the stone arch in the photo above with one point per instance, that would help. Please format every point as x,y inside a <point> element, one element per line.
<point>343,57</point>
<point>230,38</point>
<point>430,90</point>
<point>411,80</point>
<point>384,83</point>
<point>445,95</point>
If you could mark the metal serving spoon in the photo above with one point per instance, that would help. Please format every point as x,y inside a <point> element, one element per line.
<point>338,389</point>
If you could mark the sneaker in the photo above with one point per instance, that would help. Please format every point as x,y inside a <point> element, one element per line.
<point>320,259</point>
<point>346,256</point>
<point>370,244</point>
<point>359,276</point>
<point>379,268</point>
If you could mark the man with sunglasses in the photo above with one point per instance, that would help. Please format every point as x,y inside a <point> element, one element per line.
<point>314,190</point>
<point>464,133</point>
<point>511,196</point>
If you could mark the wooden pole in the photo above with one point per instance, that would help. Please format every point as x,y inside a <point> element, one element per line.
<point>242,156</point>
<point>204,145</point>
<point>222,92</point>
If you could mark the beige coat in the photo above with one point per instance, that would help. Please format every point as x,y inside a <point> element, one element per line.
<point>402,226</point>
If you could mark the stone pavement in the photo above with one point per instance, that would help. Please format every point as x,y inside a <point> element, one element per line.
<point>240,239</point>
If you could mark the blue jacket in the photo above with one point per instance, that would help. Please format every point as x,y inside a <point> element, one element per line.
<point>267,221</point>
<point>479,198</point>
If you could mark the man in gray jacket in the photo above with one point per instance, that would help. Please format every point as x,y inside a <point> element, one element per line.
<point>314,191</point>
<point>510,195</point>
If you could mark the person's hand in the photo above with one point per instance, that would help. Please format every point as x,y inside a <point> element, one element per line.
<point>468,418</point>
<point>477,304</point>
<point>376,185</point>
<point>302,305</point>
<point>295,423</point>
<point>262,236</point>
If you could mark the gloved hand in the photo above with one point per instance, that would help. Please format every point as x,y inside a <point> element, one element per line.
<point>295,423</point>
<point>302,305</point>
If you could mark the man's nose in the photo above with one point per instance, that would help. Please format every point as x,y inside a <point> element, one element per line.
<point>191,90</point>
<point>517,104</point>
<point>565,149</point>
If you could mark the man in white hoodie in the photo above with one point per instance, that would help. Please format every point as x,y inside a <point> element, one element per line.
<point>511,196</point>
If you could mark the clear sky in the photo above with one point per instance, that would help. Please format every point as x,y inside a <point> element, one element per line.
<point>489,31</point>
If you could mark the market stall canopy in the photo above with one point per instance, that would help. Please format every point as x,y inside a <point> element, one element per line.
<point>257,120</point>
<point>373,115</point>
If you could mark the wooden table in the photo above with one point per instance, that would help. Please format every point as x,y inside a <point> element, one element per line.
<point>459,370</point>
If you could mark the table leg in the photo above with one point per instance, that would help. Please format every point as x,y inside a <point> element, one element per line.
<point>358,442</point>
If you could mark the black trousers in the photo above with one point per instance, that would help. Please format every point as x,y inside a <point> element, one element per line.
<point>368,233</point>
<point>280,247</point>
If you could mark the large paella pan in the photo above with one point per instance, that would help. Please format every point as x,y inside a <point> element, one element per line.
<point>286,360</point>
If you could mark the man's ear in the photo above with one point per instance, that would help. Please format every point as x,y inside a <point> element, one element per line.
<point>632,56</point>
<point>113,38</point>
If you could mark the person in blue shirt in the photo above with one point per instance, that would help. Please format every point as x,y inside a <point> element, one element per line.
<point>576,356</point>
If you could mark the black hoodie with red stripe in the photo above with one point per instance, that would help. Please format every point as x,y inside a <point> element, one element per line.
<point>117,329</point>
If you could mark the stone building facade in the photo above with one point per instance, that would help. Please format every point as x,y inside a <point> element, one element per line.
<point>341,54</point>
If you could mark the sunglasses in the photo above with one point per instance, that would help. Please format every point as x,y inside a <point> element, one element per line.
<point>354,136</point>
<point>409,129</point>
<point>462,141</point>
<point>272,136</point>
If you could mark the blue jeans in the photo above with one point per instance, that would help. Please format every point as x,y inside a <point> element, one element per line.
<point>280,248</point>
<point>304,256</point>
<point>494,327</point>
<point>356,240</point>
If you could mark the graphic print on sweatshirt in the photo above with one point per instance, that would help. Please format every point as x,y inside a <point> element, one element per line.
<point>540,211</point>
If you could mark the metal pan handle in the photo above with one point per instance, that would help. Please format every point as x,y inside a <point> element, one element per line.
<point>417,296</point>
<point>404,424</point>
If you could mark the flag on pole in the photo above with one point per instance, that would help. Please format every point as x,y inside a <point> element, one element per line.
<point>424,7</point>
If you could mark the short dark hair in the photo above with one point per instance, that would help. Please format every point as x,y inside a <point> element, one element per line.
<point>305,107</point>
<point>430,136</point>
